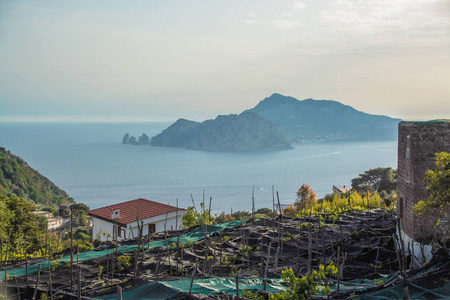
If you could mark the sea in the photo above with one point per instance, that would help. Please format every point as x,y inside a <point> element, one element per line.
<point>89,162</point>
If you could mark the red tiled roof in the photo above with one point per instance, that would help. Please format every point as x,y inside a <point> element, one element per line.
<point>129,210</point>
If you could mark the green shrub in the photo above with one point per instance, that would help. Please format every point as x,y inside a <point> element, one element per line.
<point>124,262</point>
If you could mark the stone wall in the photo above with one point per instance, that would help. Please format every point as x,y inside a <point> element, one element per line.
<point>417,144</point>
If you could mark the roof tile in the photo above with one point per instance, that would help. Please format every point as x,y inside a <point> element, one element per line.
<point>129,210</point>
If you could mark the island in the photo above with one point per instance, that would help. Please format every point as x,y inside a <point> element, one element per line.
<point>243,132</point>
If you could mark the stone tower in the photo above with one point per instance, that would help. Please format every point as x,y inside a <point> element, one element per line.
<point>417,144</point>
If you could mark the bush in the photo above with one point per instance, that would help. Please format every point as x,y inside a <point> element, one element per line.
<point>124,262</point>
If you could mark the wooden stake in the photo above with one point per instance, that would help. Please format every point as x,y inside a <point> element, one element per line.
<point>119,292</point>
<point>195,208</point>
<point>267,265</point>
<point>309,250</point>
<point>26,269</point>
<point>50,271</point>
<point>6,266</point>
<point>253,202</point>
<point>192,277</point>
<point>71,251</point>
<point>37,282</point>
<point>237,286</point>
<point>79,282</point>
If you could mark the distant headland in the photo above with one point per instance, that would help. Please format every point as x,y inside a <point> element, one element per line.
<point>273,124</point>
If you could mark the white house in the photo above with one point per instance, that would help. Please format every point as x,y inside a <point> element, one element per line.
<point>56,223</point>
<point>119,221</point>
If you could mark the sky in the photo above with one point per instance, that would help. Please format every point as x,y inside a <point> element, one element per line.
<point>115,60</point>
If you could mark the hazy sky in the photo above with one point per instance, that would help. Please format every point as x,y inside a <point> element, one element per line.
<point>161,60</point>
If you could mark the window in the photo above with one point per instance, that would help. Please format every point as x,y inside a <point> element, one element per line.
<point>119,231</point>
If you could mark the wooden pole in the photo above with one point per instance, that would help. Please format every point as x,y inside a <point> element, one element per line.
<point>6,266</point>
<point>195,208</point>
<point>338,263</point>
<point>71,251</point>
<point>26,269</point>
<point>253,202</point>
<point>50,271</point>
<point>309,249</point>
<point>192,277</point>
<point>79,282</point>
<point>37,282</point>
<point>209,213</point>
<point>237,286</point>
<point>119,292</point>
<point>273,203</point>
<point>267,265</point>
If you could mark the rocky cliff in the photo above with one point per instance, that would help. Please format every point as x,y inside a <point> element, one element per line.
<point>247,131</point>
<point>143,140</point>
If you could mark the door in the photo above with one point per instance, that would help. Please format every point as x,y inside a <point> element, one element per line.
<point>151,228</point>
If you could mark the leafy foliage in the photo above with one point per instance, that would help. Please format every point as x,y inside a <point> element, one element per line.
<point>265,211</point>
<point>301,288</point>
<point>223,218</point>
<point>18,179</point>
<point>378,179</point>
<point>333,204</point>
<point>242,215</point>
<point>438,187</point>
<point>193,218</point>
<point>124,262</point>
<point>306,197</point>
<point>17,218</point>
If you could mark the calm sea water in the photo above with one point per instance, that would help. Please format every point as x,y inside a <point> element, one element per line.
<point>89,162</point>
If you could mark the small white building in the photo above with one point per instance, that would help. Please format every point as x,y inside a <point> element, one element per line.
<point>119,221</point>
<point>56,223</point>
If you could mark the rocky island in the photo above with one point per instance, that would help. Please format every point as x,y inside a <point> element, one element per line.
<point>143,140</point>
<point>247,131</point>
<point>273,124</point>
<point>310,120</point>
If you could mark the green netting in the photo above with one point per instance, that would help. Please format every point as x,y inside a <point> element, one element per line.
<point>416,291</point>
<point>192,236</point>
<point>167,289</point>
<point>360,284</point>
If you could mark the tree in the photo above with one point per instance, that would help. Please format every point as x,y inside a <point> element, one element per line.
<point>189,218</point>
<point>438,188</point>
<point>265,211</point>
<point>306,197</point>
<point>26,228</point>
<point>5,218</point>
<point>192,218</point>
<point>290,211</point>
<point>378,179</point>
<point>242,215</point>
<point>82,218</point>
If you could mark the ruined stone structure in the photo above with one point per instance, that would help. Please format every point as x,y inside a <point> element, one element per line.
<point>417,144</point>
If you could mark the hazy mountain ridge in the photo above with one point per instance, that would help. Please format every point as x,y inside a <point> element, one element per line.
<point>17,178</point>
<point>312,120</point>
<point>247,131</point>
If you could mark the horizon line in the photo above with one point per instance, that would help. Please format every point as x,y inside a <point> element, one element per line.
<point>92,119</point>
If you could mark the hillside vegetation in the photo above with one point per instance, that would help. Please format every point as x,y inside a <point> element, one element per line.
<point>18,179</point>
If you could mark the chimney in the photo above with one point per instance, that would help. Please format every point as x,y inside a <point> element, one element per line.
<point>115,214</point>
